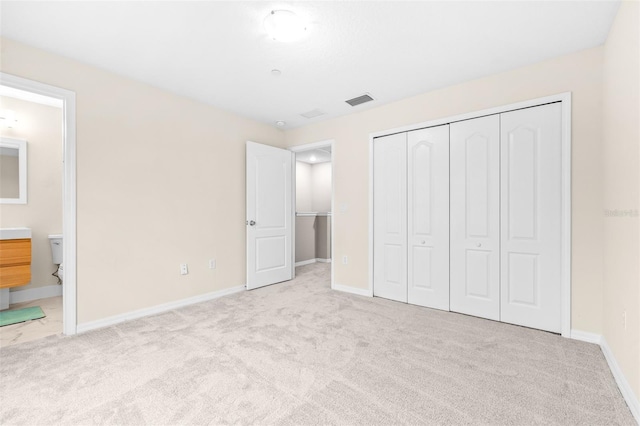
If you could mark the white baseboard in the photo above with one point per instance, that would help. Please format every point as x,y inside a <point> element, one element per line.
<point>625,389</point>
<point>310,261</point>
<point>116,319</point>
<point>585,336</point>
<point>36,293</point>
<point>624,386</point>
<point>352,290</point>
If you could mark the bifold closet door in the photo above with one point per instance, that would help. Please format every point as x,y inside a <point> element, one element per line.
<point>531,205</point>
<point>390,217</point>
<point>475,217</point>
<point>428,217</point>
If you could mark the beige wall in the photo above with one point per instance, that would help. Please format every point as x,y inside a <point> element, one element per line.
<point>580,73</point>
<point>621,156</point>
<point>160,181</point>
<point>303,187</point>
<point>41,127</point>
<point>321,182</point>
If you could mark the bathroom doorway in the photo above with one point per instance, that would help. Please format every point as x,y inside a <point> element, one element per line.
<point>314,188</point>
<point>44,117</point>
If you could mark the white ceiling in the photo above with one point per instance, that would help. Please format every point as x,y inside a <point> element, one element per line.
<point>219,53</point>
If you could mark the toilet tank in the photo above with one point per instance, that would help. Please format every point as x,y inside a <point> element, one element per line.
<point>56,248</point>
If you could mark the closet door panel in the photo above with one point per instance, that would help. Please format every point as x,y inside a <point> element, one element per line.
<point>428,217</point>
<point>531,208</point>
<point>390,217</point>
<point>475,217</point>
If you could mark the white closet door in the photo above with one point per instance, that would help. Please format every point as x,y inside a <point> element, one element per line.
<point>531,186</point>
<point>428,217</point>
<point>390,217</point>
<point>475,217</point>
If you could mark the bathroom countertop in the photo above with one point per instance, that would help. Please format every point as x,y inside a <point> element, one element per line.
<point>14,233</point>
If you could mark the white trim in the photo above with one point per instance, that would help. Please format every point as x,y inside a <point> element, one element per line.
<point>560,97</point>
<point>307,147</point>
<point>68,99</point>
<point>145,312</point>
<point>625,388</point>
<point>310,261</point>
<point>371,241</point>
<point>36,293</point>
<point>352,290</point>
<point>565,98</point>
<point>312,214</point>
<point>565,256</point>
<point>30,97</point>
<point>585,336</point>
<point>21,146</point>
<point>313,145</point>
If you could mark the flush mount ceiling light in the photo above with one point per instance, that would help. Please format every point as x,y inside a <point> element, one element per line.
<point>280,123</point>
<point>284,25</point>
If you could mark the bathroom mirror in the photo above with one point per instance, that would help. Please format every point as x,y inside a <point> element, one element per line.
<point>13,171</point>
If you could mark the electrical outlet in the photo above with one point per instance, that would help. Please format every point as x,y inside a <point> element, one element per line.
<point>184,270</point>
<point>624,319</point>
<point>345,260</point>
<point>212,264</point>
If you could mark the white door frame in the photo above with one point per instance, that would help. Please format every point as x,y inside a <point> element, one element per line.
<point>565,98</point>
<point>68,98</point>
<point>307,147</point>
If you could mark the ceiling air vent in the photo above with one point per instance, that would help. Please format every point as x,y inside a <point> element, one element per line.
<point>312,114</point>
<point>359,100</point>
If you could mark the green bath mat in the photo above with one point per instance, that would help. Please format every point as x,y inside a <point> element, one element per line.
<point>20,315</point>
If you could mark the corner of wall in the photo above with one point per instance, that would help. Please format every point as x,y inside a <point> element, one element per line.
<point>621,194</point>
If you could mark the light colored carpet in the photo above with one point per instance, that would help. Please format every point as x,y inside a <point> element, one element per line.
<point>299,353</point>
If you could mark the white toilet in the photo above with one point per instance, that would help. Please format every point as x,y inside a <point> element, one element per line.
<point>56,253</point>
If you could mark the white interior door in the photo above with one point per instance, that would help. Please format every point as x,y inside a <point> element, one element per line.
<point>390,217</point>
<point>428,217</point>
<point>269,215</point>
<point>475,217</point>
<point>531,187</point>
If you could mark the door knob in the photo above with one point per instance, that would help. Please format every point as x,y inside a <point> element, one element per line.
<point>252,222</point>
<point>423,242</point>
<point>479,245</point>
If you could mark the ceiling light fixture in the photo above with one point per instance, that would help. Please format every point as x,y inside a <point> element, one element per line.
<point>312,158</point>
<point>280,123</point>
<point>276,72</point>
<point>284,25</point>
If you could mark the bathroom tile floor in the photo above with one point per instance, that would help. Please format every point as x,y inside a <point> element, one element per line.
<point>35,329</point>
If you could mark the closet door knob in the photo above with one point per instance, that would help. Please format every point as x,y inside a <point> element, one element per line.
<point>423,242</point>
<point>479,245</point>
